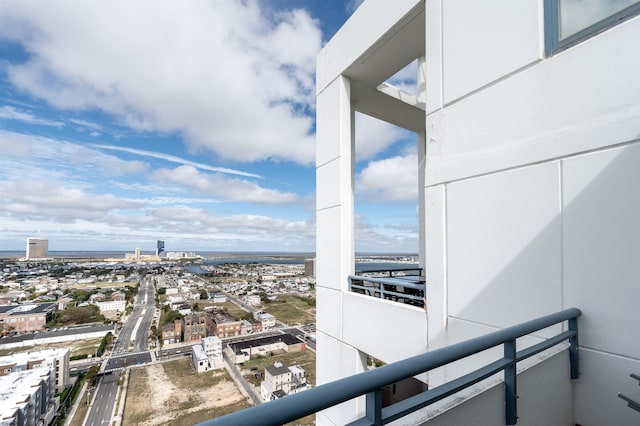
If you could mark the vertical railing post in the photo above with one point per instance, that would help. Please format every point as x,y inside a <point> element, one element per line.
<point>374,407</point>
<point>510,395</point>
<point>574,360</point>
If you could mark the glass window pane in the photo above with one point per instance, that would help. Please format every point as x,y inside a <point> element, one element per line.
<point>576,15</point>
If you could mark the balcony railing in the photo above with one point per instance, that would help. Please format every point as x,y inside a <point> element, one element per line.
<point>405,285</point>
<point>371,383</point>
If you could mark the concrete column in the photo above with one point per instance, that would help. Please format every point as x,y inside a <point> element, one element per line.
<point>335,256</point>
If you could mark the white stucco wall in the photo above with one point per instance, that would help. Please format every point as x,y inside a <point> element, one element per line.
<point>531,188</point>
<point>529,204</point>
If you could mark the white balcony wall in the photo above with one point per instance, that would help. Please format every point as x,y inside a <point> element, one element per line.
<point>601,272</point>
<point>536,171</point>
<point>367,321</point>
<point>484,41</point>
<point>504,246</point>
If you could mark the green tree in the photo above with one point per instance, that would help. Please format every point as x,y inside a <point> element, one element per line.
<point>80,315</point>
<point>204,294</point>
<point>264,298</point>
<point>103,344</point>
<point>171,316</point>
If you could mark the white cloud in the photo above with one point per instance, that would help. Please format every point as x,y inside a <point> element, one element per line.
<point>33,199</point>
<point>10,113</point>
<point>391,179</point>
<point>48,157</point>
<point>374,136</point>
<point>373,239</point>
<point>406,78</point>
<point>174,159</point>
<point>220,72</point>
<point>221,186</point>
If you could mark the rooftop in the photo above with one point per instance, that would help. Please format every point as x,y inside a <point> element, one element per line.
<point>288,339</point>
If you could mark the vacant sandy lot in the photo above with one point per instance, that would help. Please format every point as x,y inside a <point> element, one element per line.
<point>170,393</point>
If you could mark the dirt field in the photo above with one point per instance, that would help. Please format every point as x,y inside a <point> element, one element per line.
<point>78,347</point>
<point>291,310</point>
<point>171,394</point>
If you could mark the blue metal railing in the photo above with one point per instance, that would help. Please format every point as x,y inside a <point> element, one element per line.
<point>370,383</point>
<point>631,403</point>
<point>398,285</point>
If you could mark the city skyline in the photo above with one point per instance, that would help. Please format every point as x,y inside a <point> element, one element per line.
<point>192,124</point>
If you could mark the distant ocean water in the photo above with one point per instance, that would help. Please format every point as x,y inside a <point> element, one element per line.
<point>209,255</point>
<point>382,261</point>
<point>66,254</point>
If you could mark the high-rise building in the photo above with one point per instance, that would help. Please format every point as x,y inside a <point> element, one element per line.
<point>137,253</point>
<point>37,248</point>
<point>310,267</point>
<point>527,150</point>
<point>159,248</point>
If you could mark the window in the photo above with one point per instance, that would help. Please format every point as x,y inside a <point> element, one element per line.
<point>568,22</point>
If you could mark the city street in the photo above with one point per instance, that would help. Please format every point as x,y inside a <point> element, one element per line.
<point>135,331</point>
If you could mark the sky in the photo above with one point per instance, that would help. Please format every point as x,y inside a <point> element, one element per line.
<point>193,122</point>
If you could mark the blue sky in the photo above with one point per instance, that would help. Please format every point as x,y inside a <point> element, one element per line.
<point>123,122</point>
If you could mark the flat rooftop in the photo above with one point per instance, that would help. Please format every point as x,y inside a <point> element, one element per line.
<point>286,338</point>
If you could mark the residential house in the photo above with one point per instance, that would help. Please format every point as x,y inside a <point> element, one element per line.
<point>218,298</point>
<point>268,321</point>
<point>199,359</point>
<point>252,299</point>
<point>245,327</point>
<point>118,295</point>
<point>280,381</point>
<point>62,303</point>
<point>172,332</point>
<point>212,346</point>
<point>97,297</point>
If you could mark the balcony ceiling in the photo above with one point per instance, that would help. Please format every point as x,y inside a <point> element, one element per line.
<point>398,47</point>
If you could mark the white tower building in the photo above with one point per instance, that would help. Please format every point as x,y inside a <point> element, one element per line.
<point>527,125</point>
<point>37,248</point>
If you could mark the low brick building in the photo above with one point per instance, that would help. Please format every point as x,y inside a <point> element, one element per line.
<point>223,325</point>
<point>26,318</point>
<point>195,326</point>
<point>172,332</point>
<point>262,346</point>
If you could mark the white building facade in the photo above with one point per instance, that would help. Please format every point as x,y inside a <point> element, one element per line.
<point>527,128</point>
<point>281,381</point>
<point>212,346</point>
<point>111,308</point>
<point>37,248</point>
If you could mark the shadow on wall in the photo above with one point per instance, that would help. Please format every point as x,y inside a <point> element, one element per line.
<point>568,232</point>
